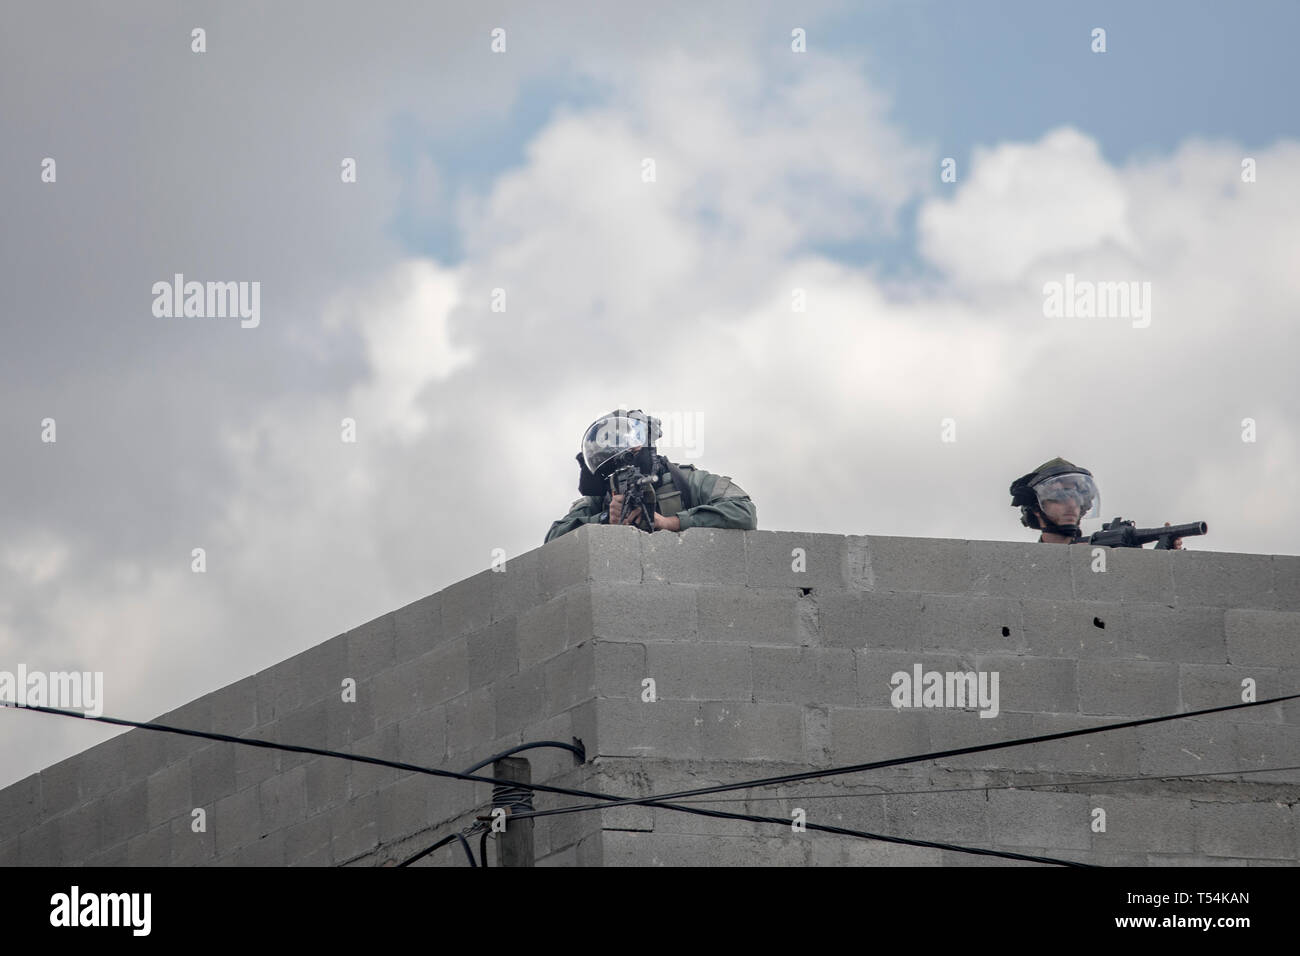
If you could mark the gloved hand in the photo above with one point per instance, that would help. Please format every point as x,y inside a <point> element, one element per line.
<point>589,484</point>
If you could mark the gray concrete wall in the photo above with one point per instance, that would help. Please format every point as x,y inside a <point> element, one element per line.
<point>770,652</point>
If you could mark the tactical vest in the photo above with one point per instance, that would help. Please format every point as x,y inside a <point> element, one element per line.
<point>672,497</point>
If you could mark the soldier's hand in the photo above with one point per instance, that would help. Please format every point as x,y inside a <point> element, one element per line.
<point>616,515</point>
<point>1178,542</point>
<point>667,523</point>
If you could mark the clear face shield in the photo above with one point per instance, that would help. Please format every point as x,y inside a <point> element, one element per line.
<point>1068,499</point>
<point>611,438</point>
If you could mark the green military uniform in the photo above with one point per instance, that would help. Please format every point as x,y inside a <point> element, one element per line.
<point>718,503</point>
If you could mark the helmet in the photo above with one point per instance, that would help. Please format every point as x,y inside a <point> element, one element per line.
<point>1055,481</point>
<point>613,437</point>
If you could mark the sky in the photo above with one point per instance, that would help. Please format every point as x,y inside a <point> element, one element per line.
<point>648,185</point>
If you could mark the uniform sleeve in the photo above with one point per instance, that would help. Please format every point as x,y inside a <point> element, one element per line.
<point>725,504</point>
<point>583,511</point>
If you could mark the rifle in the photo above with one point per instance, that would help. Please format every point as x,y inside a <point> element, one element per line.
<point>1121,534</point>
<point>637,491</point>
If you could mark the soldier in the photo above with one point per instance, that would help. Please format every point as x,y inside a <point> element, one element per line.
<point>1055,497</point>
<point>684,496</point>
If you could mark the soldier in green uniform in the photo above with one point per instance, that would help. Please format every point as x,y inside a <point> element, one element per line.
<point>1055,497</point>
<point>685,496</point>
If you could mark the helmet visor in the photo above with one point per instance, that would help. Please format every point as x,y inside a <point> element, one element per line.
<point>609,437</point>
<point>1068,498</point>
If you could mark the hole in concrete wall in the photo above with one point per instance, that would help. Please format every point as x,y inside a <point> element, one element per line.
<point>1006,631</point>
<point>806,590</point>
<point>1098,622</point>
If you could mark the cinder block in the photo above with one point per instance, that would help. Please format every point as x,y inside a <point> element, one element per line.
<point>371,647</point>
<point>708,556</point>
<point>803,675</point>
<point>932,565</point>
<point>871,619</point>
<point>350,720</point>
<point>266,850</point>
<point>307,727</point>
<point>1203,686</point>
<point>190,847</point>
<point>619,669</point>
<point>567,680</point>
<point>817,735</point>
<point>283,799</point>
<point>1109,752</point>
<point>152,848</point>
<point>493,653</point>
<point>773,560</point>
<point>80,832</point>
<point>1084,630</point>
<point>1262,747</point>
<point>622,848</point>
<point>958,730</point>
<point>1128,688</point>
<point>700,671</point>
<point>471,722</point>
<point>467,605</point>
<point>422,738</point>
<point>326,782</point>
<point>1286,582</point>
<point>1255,830</point>
<point>1197,745</point>
<point>1223,579</point>
<point>100,769</point>
<point>1007,569</point>
<point>113,856</point>
<point>865,736</point>
<point>642,613</point>
<point>169,794</point>
<point>307,843</point>
<point>1031,818</point>
<point>1141,824</point>
<point>517,586</point>
<point>613,553</point>
<point>748,615</point>
<point>367,777</point>
<point>563,564</point>
<point>143,752</point>
<point>42,846</point>
<point>631,728</point>
<point>826,850</point>
<point>961,623</point>
<point>443,673</point>
<point>234,708</point>
<point>520,700</point>
<point>566,857</point>
<point>124,813</point>
<point>1268,638</point>
<point>743,731</point>
<point>354,830</point>
<point>418,628</point>
<point>542,632</point>
<point>20,806</point>
<point>255,764</point>
<point>1034,684</point>
<point>402,808</point>
<point>236,821</point>
<point>876,670</point>
<point>1132,575</point>
<point>1179,634</point>
<point>279,692</point>
<point>322,670</point>
<point>960,818</point>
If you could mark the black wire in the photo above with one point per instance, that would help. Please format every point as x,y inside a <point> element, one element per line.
<point>657,799</point>
<point>482,847</point>
<point>468,852</point>
<point>653,799</point>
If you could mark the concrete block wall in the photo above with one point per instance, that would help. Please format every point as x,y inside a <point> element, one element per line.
<point>770,653</point>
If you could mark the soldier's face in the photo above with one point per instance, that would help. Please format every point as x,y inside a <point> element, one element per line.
<point>1062,510</point>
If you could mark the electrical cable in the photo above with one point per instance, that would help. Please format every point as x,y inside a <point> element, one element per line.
<point>657,799</point>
